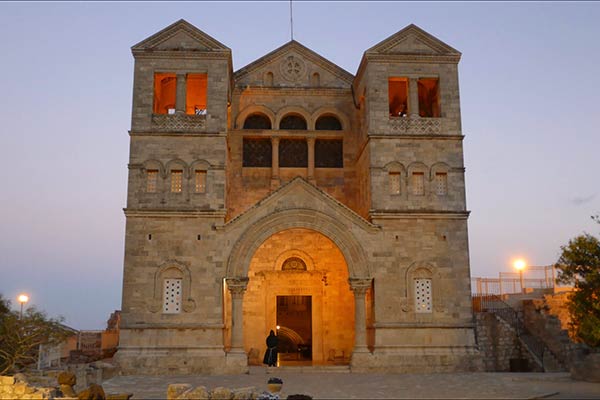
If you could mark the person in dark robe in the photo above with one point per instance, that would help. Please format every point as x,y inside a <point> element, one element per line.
<point>271,354</point>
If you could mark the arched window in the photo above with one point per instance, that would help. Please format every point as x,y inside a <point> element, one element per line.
<point>257,121</point>
<point>328,123</point>
<point>293,122</point>
<point>294,264</point>
<point>268,79</point>
<point>315,79</point>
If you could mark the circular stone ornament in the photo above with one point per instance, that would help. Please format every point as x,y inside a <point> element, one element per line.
<point>292,68</point>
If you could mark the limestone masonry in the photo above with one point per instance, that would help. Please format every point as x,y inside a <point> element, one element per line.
<point>293,196</point>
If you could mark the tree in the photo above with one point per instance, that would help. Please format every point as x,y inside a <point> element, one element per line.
<point>579,265</point>
<point>20,338</point>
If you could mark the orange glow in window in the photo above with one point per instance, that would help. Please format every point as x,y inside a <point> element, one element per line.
<point>165,89</point>
<point>429,102</point>
<point>398,96</point>
<point>195,102</point>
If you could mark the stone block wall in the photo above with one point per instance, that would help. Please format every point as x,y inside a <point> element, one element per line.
<point>11,389</point>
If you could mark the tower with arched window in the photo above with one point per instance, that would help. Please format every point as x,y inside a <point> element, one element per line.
<point>292,195</point>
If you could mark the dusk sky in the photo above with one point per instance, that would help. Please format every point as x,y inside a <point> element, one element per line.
<point>530,102</point>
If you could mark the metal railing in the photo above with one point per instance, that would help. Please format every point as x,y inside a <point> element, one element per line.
<point>543,277</point>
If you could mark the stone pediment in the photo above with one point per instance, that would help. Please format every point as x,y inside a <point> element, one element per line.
<point>180,36</point>
<point>413,40</point>
<point>298,194</point>
<point>293,65</point>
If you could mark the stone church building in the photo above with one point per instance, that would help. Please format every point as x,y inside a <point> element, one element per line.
<point>293,196</point>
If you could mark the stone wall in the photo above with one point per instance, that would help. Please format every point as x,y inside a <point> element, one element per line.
<point>548,319</point>
<point>498,343</point>
<point>10,388</point>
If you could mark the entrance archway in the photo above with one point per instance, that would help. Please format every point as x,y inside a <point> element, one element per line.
<point>299,277</point>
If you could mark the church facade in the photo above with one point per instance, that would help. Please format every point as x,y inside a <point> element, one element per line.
<point>293,196</point>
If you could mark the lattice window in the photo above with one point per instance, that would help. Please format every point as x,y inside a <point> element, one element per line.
<point>329,154</point>
<point>294,264</point>
<point>172,296</point>
<point>293,122</point>
<point>257,153</point>
<point>395,182</point>
<point>418,183</point>
<point>441,183</point>
<point>200,181</point>
<point>257,121</point>
<point>423,295</point>
<point>328,123</point>
<point>293,153</point>
<point>151,180</point>
<point>176,181</point>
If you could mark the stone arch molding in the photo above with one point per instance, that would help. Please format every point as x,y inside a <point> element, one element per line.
<point>172,269</point>
<point>421,269</point>
<point>308,260</point>
<point>334,112</point>
<point>254,109</point>
<point>243,250</point>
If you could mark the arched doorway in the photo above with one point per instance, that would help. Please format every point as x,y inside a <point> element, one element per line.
<point>298,279</point>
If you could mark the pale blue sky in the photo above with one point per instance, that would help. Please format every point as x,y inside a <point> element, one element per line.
<point>529,93</point>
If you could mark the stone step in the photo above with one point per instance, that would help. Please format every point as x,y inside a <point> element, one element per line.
<point>300,369</point>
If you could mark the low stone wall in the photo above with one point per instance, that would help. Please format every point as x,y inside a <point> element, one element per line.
<point>498,343</point>
<point>187,391</point>
<point>11,388</point>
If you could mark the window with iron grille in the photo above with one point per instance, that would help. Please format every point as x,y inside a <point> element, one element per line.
<point>176,181</point>
<point>293,153</point>
<point>151,180</point>
<point>418,183</point>
<point>257,153</point>
<point>200,181</point>
<point>293,122</point>
<point>329,154</point>
<point>172,296</point>
<point>441,183</point>
<point>423,295</point>
<point>395,182</point>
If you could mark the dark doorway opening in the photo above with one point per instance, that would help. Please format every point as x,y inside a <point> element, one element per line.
<point>294,322</point>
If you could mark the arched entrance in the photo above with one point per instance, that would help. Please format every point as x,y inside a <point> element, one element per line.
<point>298,280</point>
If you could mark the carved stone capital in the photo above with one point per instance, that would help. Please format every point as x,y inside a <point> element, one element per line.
<point>236,286</point>
<point>360,285</point>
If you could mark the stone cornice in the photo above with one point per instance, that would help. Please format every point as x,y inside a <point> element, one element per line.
<point>292,91</point>
<point>182,54</point>
<point>178,134</point>
<point>151,213</point>
<point>418,214</point>
<point>412,325</point>
<point>412,58</point>
<point>417,137</point>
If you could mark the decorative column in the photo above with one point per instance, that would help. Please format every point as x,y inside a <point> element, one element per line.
<point>180,97</point>
<point>413,98</point>
<point>311,160</point>
<point>360,286</point>
<point>274,163</point>
<point>237,287</point>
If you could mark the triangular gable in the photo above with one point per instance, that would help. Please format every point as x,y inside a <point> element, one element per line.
<point>413,40</point>
<point>298,193</point>
<point>297,49</point>
<point>180,36</point>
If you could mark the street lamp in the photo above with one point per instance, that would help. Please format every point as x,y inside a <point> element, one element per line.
<point>520,266</point>
<point>23,298</point>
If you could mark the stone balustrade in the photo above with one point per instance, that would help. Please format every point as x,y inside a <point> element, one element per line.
<point>178,122</point>
<point>414,125</point>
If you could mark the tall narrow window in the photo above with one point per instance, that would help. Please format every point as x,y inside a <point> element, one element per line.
<point>195,102</point>
<point>176,180</point>
<point>315,80</point>
<point>418,183</point>
<point>200,181</point>
<point>441,183</point>
<point>395,182</point>
<point>165,92</point>
<point>172,296</point>
<point>398,96</point>
<point>151,180</point>
<point>429,102</point>
<point>423,295</point>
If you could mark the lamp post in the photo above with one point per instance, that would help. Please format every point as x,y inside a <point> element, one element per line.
<point>23,298</point>
<point>520,266</point>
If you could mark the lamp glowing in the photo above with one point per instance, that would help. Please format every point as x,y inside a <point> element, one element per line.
<point>23,298</point>
<point>278,327</point>
<point>519,264</point>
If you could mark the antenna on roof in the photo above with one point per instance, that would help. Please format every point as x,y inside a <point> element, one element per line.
<point>291,22</point>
